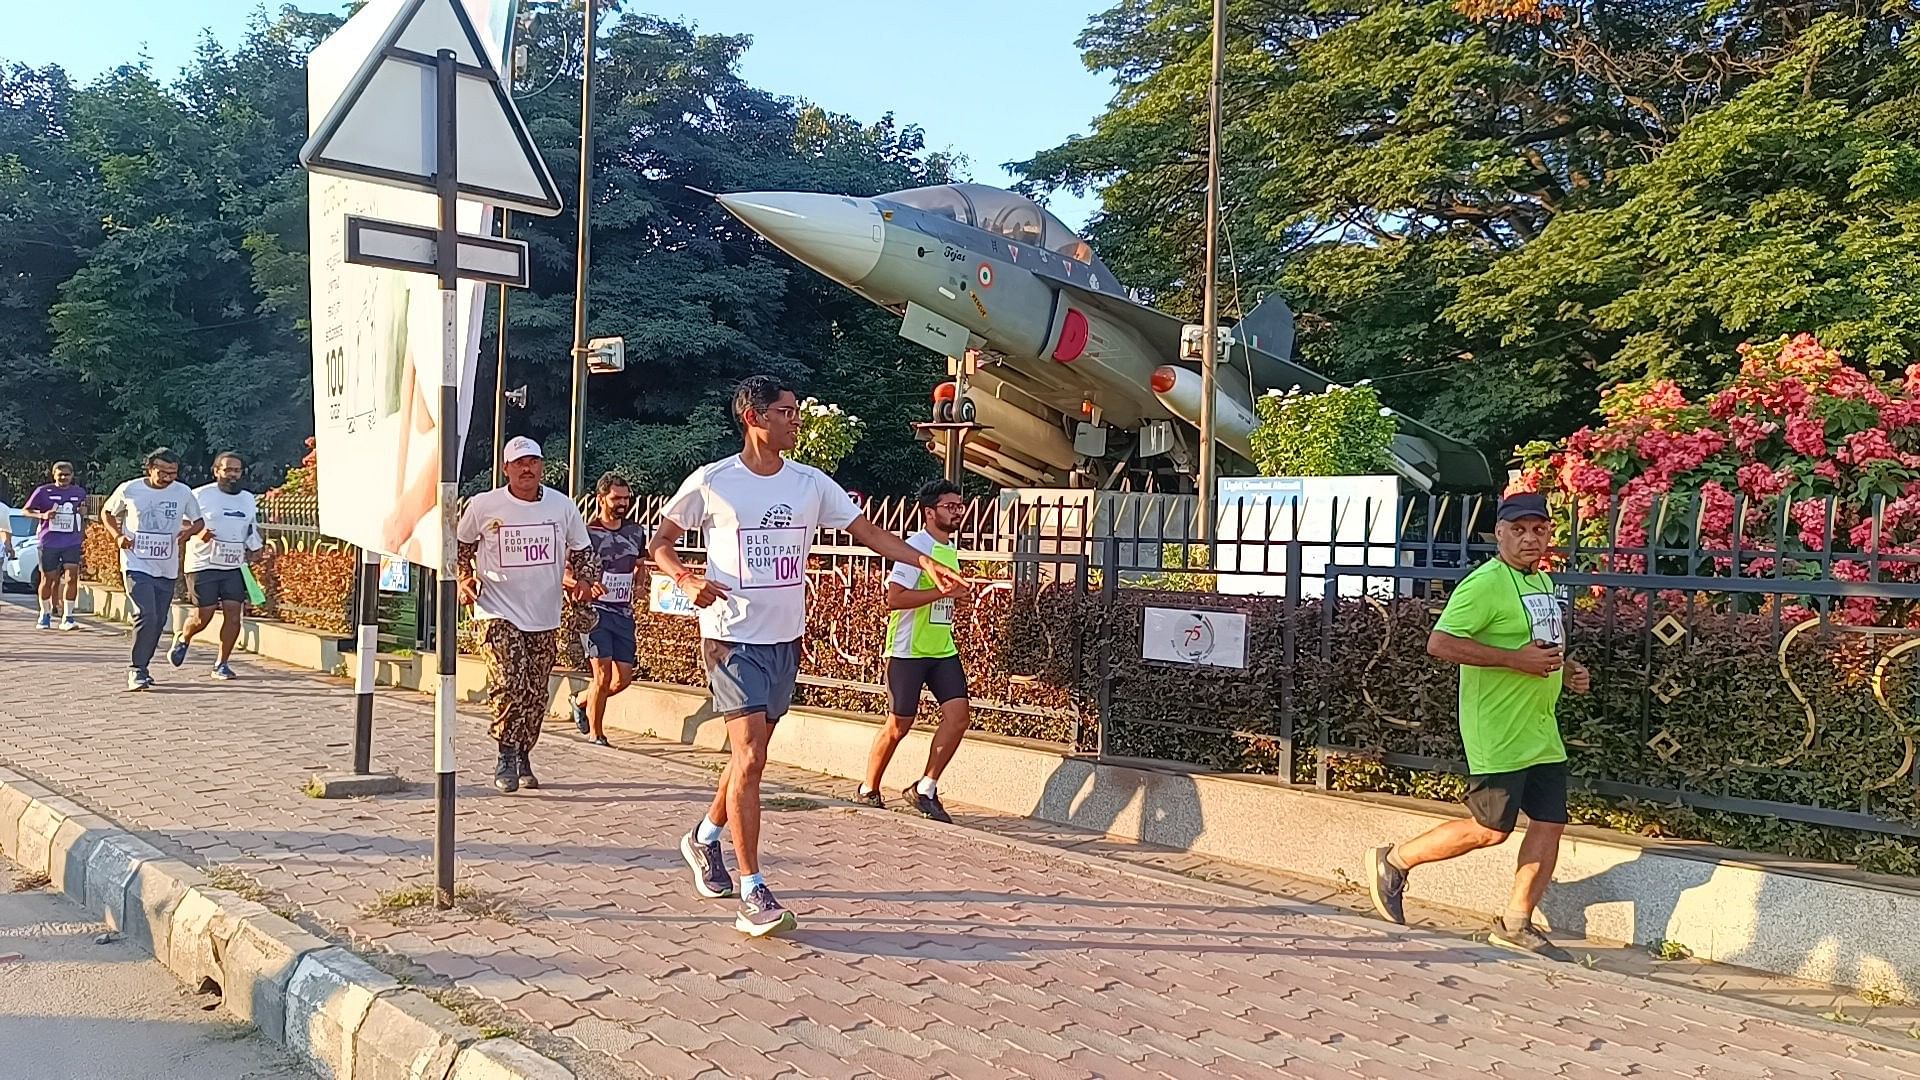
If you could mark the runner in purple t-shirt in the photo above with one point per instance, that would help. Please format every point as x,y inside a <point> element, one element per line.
<point>61,509</point>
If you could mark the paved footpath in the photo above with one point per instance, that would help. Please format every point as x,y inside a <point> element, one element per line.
<point>922,951</point>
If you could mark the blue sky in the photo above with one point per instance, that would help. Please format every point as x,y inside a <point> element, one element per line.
<point>993,80</point>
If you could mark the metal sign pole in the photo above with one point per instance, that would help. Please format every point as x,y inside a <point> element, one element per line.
<point>366,646</point>
<point>447,610</point>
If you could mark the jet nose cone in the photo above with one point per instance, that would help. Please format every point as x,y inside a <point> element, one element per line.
<point>838,235</point>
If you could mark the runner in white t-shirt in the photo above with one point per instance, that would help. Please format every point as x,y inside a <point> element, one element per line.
<point>521,547</point>
<point>228,540</point>
<point>759,513</point>
<point>149,519</point>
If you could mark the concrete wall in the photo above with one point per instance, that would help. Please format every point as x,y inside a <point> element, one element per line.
<point>1812,921</point>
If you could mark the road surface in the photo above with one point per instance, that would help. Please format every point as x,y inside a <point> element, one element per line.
<point>71,1009</point>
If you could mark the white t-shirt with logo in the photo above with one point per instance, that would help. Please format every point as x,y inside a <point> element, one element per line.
<point>759,530</point>
<point>522,558</point>
<point>233,521</point>
<point>152,517</point>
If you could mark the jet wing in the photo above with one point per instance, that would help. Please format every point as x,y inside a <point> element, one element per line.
<point>1458,464</point>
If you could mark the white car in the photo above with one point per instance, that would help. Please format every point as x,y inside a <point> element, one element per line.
<point>23,570</point>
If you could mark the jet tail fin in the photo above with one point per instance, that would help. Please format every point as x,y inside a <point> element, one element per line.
<point>1268,328</point>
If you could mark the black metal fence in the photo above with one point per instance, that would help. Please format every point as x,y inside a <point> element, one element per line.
<point>1771,677</point>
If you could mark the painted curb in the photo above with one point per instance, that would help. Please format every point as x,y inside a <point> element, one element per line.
<point>344,1017</point>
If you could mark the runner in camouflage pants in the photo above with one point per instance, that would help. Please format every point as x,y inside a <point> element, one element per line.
<point>518,664</point>
<point>523,548</point>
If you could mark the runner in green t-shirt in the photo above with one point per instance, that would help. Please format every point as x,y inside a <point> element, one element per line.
<point>1505,625</point>
<point>921,653</point>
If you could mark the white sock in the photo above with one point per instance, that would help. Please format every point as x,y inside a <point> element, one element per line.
<point>46,607</point>
<point>708,832</point>
<point>928,787</point>
<point>748,881</point>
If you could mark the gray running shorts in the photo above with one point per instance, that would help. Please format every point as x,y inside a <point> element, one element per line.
<point>745,678</point>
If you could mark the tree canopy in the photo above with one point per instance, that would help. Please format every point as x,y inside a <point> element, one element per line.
<point>1493,209</point>
<point>153,259</point>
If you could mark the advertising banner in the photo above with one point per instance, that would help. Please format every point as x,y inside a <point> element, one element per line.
<point>376,332</point>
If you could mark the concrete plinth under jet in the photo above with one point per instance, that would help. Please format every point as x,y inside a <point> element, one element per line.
<point>968,265</point>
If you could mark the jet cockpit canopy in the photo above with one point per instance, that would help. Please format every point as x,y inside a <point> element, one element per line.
<point>1004,213</point>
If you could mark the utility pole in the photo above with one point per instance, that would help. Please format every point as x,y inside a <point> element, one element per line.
<point>500,362</point>
<point>582,252</point>
<point>1210,317</point>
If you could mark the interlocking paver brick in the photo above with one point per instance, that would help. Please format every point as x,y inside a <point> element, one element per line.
<point>921,953</point>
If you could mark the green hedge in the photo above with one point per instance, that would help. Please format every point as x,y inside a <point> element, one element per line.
<point>1729,716</point>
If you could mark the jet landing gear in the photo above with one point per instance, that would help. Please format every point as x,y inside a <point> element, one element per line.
<point>954,418</point>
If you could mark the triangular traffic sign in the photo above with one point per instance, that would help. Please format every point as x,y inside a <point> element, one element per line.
<point>384,126</point>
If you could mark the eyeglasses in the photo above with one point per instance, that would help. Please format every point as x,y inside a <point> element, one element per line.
<point>950,506</point>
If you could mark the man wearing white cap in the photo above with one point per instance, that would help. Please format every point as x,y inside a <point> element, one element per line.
<point>521,547</point>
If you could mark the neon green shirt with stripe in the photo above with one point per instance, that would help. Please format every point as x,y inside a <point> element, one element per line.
<point>925,631</point>
<point>1507,718</point>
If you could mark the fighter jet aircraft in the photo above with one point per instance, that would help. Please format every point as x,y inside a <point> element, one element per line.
<point>1082,384</point>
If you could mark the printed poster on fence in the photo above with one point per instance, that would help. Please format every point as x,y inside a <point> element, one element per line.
<point>376,332</point>
<point>1191,636</point>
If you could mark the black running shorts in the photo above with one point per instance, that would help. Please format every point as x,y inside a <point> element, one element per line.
<point>907,674</point>
<point>211,588</point>
<point>1498,799</point>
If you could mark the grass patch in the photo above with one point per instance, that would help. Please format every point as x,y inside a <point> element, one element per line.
<point>416,902</point>
<point>1665,949</point>
<point>470,1009</point>
<point>313,790</point>
<point>791,802</point>
<point>238,882</point>
<point>30,882</point>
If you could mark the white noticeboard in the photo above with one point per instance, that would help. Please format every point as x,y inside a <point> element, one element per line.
<point>1341,519</point>
<point>376,331</point>
<point>1193,636</point>
<point>664,599</point>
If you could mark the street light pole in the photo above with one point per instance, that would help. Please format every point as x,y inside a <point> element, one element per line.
<point>577,429</point>
<point>1210,317</point>
<point>500,367</point>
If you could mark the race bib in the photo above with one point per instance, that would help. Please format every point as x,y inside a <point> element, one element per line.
<point>228,553</point>
<point>1544,614</point>
<point>773,558</point>
<point>153,545</point>
<point>619,587</point>
<point>940,612</point>
<point>525,546</point>
<point>65,519</point>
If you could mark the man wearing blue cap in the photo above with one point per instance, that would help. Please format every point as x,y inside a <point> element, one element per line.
<point>1505,626</point>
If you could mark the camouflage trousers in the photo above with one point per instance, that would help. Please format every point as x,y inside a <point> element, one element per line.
<point>518,664</point>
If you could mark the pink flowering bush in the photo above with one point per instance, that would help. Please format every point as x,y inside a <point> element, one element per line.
<point>1796,452</point>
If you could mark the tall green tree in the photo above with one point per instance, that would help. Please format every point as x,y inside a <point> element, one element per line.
<point>701,301</point>
<point>1492,208</point>
<point>154,278</point>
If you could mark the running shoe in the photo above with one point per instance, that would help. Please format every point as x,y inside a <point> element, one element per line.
<point>506,770</point>
<point>869,798</point>
<point>710,877</point>
<point>178,654</point>
<point>928,806</point>
<point>527,779</point>
<point>224,672</point>
<point>1528,939</point>
<point>601,740</point>
<point>1388,886</point>
<point>68,624</point>
<point>139,680</point>
<point>760,914</point>
<point>580,717</point>
<point>46,621</point>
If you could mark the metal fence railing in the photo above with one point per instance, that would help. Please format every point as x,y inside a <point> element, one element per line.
<point>1768,667</point>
